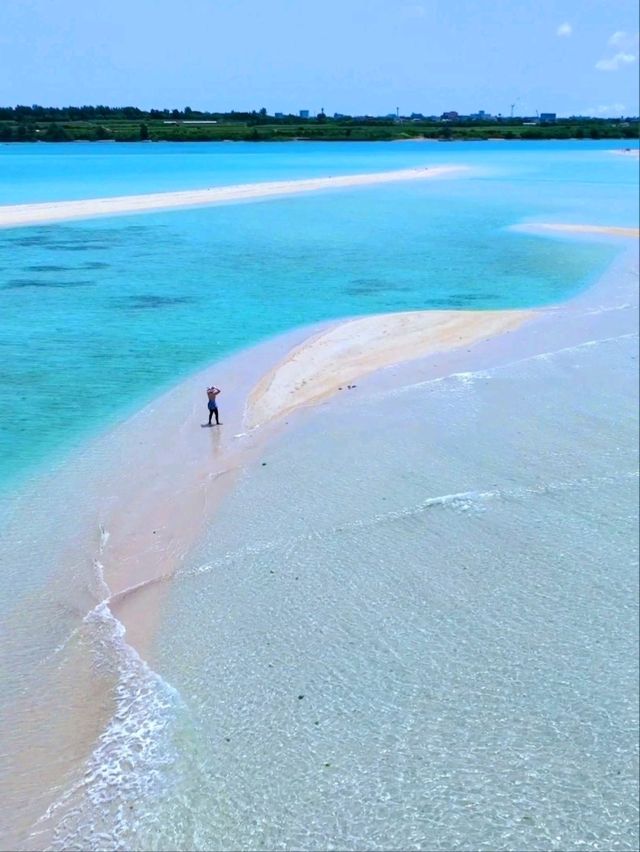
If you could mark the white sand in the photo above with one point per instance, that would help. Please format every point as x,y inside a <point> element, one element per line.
<point>324,364</point>
<point>627,152</point>
<point>16,215</point>
<point>610,230</point>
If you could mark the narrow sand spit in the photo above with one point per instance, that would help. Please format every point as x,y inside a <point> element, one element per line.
<point>329,361</point>
<point>151,528</point>
<point>158,479</point>
<point>17,215</point>
<point>610,230</point>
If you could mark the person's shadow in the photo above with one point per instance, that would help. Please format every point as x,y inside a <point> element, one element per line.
<point>215,439</point>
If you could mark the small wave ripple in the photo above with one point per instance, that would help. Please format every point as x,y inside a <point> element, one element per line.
<point>475,501</point>
<point>467,378</point>
<point>127,769</point>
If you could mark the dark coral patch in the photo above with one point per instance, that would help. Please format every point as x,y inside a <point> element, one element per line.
<point>152,301</point>
<point>21,283</point>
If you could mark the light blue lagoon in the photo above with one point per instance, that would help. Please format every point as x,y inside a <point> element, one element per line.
<point>98,316</point>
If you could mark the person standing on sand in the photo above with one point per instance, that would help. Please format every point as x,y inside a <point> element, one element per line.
<point>212,393</point>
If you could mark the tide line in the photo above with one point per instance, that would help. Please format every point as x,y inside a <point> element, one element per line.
<point>468,376</point>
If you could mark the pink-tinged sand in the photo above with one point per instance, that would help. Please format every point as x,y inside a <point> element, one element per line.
<point>609,230</point>
<point>344,353</point>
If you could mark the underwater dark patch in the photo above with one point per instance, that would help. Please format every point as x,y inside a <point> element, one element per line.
<point>370,286</point>
<point>151,301</point>
<point>474,297</point>
<point>95,264</point>
<point>38,239</point>
<point>452,302</point>
<point>69,238</point>
<point>47,267</point>
<point>77,246</point>
<point>20,283</point>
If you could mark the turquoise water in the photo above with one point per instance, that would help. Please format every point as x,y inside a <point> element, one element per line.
<point>98,316</point>
<point>32,173</point>
<point>416,626</point>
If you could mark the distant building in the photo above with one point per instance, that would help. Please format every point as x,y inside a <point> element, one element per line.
<point>340,115</point>
<point>304,113</point>
<point>452,115</point>
<point>279,115</point>
<point>547,117</point>
<point>481,115</point>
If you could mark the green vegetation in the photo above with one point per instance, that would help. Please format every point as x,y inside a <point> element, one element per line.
<point>129,124</point>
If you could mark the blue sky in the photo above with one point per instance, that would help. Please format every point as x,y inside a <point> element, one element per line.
<point>351,56</point>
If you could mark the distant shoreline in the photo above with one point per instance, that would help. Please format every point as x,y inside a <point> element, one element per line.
<point>132,124</point>
<point>20,215</point>
<point>508,136</point>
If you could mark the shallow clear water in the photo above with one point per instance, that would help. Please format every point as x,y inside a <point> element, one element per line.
<point>98,316</point>
<point>429,638</point>
<point>414,628</point>
<point>453,589</point>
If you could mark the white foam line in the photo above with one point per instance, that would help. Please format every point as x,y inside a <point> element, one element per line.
<point>606,310</point>
<point>128,752</point>
<point>462,501</point>
<point>139,694</point>
<point>467,377</point>
<point>104,537</point>
<point>104,589</point>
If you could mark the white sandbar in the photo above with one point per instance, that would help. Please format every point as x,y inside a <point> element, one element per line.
<point>627,152</point>
<point>610,230</point>
<point>16,215</point>
<point>328,362</point>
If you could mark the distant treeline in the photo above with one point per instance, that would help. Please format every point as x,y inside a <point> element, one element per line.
<point>129,113</point>
<point>130,124</point>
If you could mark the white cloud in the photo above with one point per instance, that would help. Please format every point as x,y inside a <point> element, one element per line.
<point>627,51</point>
<point>564,29</point>
<point>618,38</point>
<point>615,62</point>
<point>606,109</point>
<point>623,40</point>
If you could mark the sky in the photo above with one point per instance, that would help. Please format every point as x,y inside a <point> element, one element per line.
<point>572,57</point>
